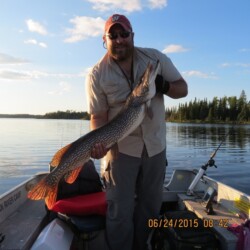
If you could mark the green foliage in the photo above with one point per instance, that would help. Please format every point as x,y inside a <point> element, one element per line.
<point>219,110</point>
<point>69,114</point>
<point>20,116</point>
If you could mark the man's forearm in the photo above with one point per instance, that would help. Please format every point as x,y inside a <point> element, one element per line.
<point>98,120</point>
<point>177,89</point>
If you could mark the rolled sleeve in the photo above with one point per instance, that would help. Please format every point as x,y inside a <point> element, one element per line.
<point>96,98</point>
<point>168,69</point>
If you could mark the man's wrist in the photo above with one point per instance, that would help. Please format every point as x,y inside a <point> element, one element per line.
<point>162,86</point>
<point>165,87</point>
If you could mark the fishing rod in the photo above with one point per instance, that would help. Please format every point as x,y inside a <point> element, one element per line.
<point>210,163</point>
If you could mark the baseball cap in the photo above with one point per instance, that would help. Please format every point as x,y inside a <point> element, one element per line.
<point>117,19</point>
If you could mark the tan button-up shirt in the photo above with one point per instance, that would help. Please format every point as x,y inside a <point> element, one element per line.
<point>108,88</point>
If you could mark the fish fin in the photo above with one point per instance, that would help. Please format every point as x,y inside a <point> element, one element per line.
<point>114,150</point>
<point>58,156</point>
<point>50,199</point>
<point>43,191</point>
<point>71,176</point>
<point>39,191</point>
<point>149,110</point>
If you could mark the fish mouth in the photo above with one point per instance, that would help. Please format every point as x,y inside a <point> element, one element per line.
<point>154,70</point>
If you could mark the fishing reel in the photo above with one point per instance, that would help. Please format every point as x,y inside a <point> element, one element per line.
<point>211,163</point>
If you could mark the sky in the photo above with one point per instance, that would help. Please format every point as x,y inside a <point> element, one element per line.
<point>48,46</point>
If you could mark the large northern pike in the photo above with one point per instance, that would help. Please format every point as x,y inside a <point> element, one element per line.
<point>70,159</point>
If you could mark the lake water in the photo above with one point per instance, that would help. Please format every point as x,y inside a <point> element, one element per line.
<point>27,146</point>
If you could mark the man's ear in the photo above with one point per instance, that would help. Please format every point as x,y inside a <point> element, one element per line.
<point>104,42</point>
<point>104,45</point>
<point>133,34</point>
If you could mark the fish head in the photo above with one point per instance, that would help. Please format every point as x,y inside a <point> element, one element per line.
<point>146,89</point>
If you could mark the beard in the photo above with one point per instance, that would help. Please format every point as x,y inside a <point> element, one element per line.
<point>121,52</point>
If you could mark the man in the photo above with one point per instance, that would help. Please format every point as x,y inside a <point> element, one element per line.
<point>138,170</point>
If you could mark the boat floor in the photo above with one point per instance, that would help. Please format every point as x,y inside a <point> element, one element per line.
<point>22,228</point>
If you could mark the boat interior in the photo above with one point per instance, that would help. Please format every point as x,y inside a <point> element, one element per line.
<point>27,224</point>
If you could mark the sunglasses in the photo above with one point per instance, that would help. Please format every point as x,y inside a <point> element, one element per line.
<point>122,34</point>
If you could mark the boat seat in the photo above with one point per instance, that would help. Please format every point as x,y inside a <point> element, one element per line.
<point>89,223</point>
<point>85,213</point>
<point>82,204</point>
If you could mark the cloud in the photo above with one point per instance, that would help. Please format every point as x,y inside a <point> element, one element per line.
<point>225,65</point>
<point>14,75</point>
<point>241,65</point>
<point>84,27</point>
<point>10,74</point>
<point>43,45</point>
<point>107,5</point>
<point>199,74</point>
<point>7,59</point>
<point>36,27</point>
<point>174,48</point>
<point>35,42</point>
<point>127,6</point>
<point>63,87</point>
<point>157,4</point>
<point>244,50</point>
<point>85,72</point>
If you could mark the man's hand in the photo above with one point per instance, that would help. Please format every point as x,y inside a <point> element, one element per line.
<point>98,151</point>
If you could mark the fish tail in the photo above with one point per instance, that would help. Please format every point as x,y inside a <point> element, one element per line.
<point>43,191</point>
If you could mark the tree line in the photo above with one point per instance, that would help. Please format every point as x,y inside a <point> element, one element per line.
<point>219,110</point>
<point>69,114</point>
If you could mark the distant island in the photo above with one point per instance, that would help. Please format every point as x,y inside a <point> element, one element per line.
<point>69,114</point>
<point>219,110</point>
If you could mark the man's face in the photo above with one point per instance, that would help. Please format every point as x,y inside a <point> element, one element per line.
<point>120,42</point>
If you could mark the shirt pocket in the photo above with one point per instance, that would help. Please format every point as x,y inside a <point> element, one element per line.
<point>116,93</point>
